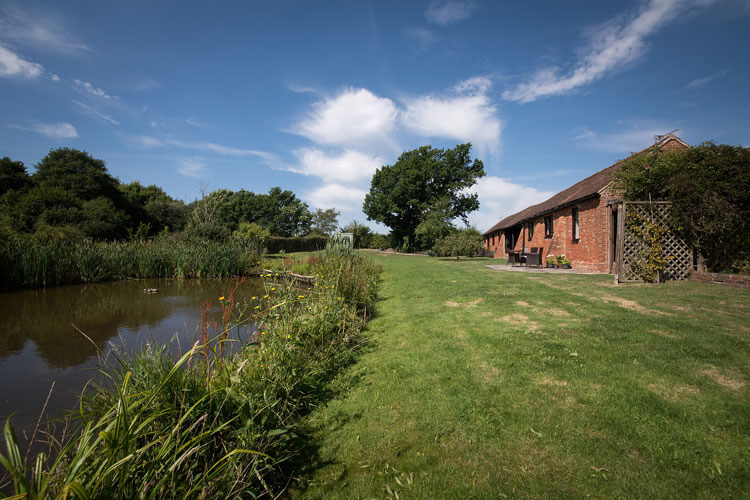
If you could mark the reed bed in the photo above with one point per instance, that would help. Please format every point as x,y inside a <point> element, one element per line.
<point>29,261</point>
<point>205,424</point>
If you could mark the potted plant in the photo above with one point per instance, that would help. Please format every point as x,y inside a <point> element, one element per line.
<point>551,261</point>
<point>559,260</point>
<point>565,262</point>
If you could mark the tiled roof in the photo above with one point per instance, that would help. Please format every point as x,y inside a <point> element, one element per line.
<point>587,188</point>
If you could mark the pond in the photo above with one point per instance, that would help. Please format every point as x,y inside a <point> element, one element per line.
<point>40,341</point>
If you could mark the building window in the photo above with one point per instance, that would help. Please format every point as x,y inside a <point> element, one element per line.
<point>576,225</point>
<point>530,230</point>
<point>548,229</point>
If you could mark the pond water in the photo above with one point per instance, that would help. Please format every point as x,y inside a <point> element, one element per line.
<point>39,343</point>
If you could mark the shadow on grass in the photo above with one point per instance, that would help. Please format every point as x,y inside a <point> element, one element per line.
<point>307,458</point>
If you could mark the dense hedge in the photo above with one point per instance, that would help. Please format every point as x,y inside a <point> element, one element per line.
<point>296,244</point>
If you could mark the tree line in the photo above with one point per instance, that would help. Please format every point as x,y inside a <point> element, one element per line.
<point>72,192</point>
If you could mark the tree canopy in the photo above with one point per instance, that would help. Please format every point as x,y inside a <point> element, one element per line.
<point>325,222</point>
<point>708,188</point>
<point>421,180</point>
<point>73,191</point>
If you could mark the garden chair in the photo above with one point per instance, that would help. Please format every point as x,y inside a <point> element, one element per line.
<point>533,258</point>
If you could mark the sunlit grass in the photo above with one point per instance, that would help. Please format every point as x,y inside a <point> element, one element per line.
<point>488,384</point>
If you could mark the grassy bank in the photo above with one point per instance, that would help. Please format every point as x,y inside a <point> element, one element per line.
<point>208,425</point>
<point>489,384</point>
<point>29,261</point>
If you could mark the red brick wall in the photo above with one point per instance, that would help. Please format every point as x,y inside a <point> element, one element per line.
<point>496,243</point>
<point>590,253</point>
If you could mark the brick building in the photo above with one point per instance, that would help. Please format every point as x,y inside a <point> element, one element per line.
<point>578,222</point>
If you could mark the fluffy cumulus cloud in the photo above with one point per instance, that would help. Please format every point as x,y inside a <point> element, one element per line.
<point>610,48</point>
<point>353,118</point>
<point>363,131</point>
<point>345,198</point>
<point>448,12</point>
<point>13,65</point>
<point>348,167</point>
<point>468,115</point>
<point>499,198</point>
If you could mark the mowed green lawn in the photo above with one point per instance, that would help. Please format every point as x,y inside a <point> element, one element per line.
<point>490,384</point>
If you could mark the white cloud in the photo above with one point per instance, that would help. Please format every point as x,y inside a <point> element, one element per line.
<point>499,198</point>
<point>348,167</point>
<point>583,133</point>
<point>30,28</point>
<point>190,120</point>
<point>342,197</point>
<point>422,37</point>
<point>447,12</point>
<point>355,117</point>
<point>54,77</point>
<point>146,141</point>
<point>611,48</point>
<point>192,167</point>
<point>11,64</point>
<point>636,137</point>
<point>142,141</point>
<point>471,117</point>
<point>700,82</point>
<point>89,110</point>
<point>56,131</point>
<point>93,91</point>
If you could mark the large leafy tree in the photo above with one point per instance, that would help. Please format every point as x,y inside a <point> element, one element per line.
<point>402,194</point>
<point>13,176</point>
<point>76,172</point>
<point>325,222</point>
<point>155,207</point>
<point>708,187</point>
<point>284,214</point>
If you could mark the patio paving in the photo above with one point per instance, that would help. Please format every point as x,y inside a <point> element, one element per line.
<point>526,269</point>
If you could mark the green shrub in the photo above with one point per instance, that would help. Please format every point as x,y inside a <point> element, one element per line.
<point>205,425</point>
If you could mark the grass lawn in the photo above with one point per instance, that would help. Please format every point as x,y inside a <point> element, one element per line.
<point>489,384</point>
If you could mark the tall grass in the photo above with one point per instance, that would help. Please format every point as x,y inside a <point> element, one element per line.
<point>29,261</point>
<point>206,425</point>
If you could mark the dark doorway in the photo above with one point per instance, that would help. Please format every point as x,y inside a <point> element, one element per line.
<point>511,237</point>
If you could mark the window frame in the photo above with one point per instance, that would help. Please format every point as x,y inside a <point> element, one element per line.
<point>549,226</point>
<point>575,225</point>
<point>530,230</point>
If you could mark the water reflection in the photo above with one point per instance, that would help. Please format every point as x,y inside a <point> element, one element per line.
<point>39,344</point>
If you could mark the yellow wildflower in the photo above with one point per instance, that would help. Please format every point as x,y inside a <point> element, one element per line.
<point>221,298</point>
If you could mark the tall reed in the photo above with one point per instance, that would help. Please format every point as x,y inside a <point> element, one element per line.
<point>206,425</point>
<point>29,261</point>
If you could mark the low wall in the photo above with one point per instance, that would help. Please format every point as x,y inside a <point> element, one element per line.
<point>732,280</point>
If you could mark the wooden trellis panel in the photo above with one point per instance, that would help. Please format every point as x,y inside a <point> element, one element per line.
<point>631,247</point>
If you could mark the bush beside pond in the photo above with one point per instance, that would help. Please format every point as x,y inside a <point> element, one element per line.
<point>205,425</point>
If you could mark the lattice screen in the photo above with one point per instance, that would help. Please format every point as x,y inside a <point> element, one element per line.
<point>681,257</point>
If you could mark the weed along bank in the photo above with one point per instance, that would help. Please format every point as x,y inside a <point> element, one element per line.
<point>580,222</point>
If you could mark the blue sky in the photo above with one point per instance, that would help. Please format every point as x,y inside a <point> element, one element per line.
<point>314,96</point>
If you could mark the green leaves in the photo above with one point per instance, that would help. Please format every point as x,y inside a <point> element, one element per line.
<point>403,193</point>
